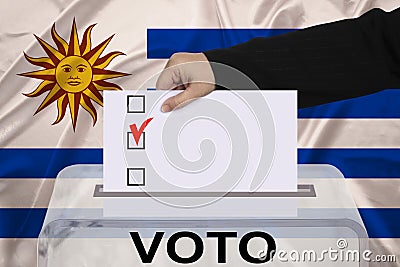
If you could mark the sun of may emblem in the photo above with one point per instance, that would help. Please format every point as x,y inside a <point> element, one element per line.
<point>73,74</point>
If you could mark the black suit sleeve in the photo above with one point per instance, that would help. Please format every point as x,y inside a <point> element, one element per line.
<point>326,63</point>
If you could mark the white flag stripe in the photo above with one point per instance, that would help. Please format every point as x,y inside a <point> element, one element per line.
<point>23,251</point>
<point>385,246</point>
<point>312,133</point>
<point>25,193</point>
<point>375,193</point>
<point>348,133</point>
<point>36,193</point>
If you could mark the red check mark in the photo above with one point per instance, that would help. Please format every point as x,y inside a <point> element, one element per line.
<point>137,133</point>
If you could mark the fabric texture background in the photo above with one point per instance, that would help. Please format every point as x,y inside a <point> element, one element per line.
<point>129,20</point>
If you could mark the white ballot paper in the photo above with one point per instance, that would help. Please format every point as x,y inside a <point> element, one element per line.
<point>227,141</point>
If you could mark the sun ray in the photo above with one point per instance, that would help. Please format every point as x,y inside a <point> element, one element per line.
<point>44,62</point>
<point>62,45</point>
<point>95,53</point>
<point>73,46</point>
<point>103,62</point>
<point>86,44</point>
<point>46,74</point>
<point>62,104</point>
<point>99,74</point>
<point>54,94</point>
<point>87,104</point>
<point>53,54</point>
<point>92,93</point>
<point>43,87</point>
<point>103,86</point>
<point>74,100</point>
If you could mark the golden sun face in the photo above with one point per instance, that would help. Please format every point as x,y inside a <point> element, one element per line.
<point>73,74</point>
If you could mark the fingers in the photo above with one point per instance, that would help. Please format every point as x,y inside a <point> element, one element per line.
<point>190,72</point>
<point>193,91</point>
<point>183,68</point>
<point>170,77</point>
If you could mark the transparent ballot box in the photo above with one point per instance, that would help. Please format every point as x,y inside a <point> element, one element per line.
<point>319,225</point>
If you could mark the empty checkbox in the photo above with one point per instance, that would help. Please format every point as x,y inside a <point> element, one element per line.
<point>135,104</point>
<point>131,143</point>
<point>136,176</point>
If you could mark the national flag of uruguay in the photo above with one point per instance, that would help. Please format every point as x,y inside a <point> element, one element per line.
<point>359,136</point>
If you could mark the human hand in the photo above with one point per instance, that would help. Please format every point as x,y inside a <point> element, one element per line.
<point>190,72</point>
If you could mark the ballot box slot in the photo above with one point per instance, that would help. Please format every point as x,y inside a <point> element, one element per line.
<point>303,190</point>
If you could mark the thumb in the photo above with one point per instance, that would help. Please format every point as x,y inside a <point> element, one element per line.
<point>192,92</point>
<point>165,80</point>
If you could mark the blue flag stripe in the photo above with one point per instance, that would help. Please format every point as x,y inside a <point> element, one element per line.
<point>381,223</point>
<point>44,162</point>
<point>21,223</point>
<point>27,223</point>
<point>47,163</point>
<point>381,105</point>
<point>162,43</point>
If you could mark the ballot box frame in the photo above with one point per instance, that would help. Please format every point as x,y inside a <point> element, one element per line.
<point>60,227</point>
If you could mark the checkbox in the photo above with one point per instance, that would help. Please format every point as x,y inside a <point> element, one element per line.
<point>131,144</point>
<point>136,104</point>
<point>136,176</point>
